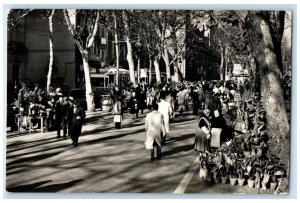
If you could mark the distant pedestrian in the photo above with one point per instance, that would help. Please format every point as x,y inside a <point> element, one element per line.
<point>77,115</point>
<point>181,101</point>
<point>59,118</point>
<point>65,112</point>
<point>118,112</point>
<point>156,131</point>
<point>170,99</point>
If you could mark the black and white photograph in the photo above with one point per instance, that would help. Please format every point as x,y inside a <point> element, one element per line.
<point>159,101</point>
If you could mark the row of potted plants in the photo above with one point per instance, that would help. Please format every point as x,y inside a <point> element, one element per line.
<point>246,158</point>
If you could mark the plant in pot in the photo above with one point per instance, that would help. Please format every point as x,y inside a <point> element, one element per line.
<point>273,183</point>
<point>240,172</point>
<point>276,178</point>
<point>230,162</point>
<point>257,179</point>
<point>215,173</point>
<point>233,175</point>
<point>233,179</point>
<point>216,170</point>
<point>265,180</point>
<point>224,176</point>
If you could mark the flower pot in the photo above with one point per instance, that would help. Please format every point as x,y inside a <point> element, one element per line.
<point>224,179</point>
<point>251,183</point>
<point>241,182</point>
<point>232,181</point>
<point>273,186</point>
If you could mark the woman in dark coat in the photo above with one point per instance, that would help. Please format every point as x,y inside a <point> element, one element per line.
<point>76,115</point>
<point>202,135</point>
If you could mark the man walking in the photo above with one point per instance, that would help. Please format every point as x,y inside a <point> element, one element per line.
<point>166,110</point>
<point>155,129</point>
<point>77,115</point>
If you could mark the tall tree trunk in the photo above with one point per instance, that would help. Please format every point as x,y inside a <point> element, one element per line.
<point>129,48</point>
<point>222,63</point>
<point>139,70</point>
<point>276,24</point>
<point>139,63</point>
<point>51,54</point>
<point>84,50</point>
<point>150,70</point>
<point>88,85</point>
<point>117,47</point>
<point>271,89</point>
<point>166,58</point>
<point>157,70</point>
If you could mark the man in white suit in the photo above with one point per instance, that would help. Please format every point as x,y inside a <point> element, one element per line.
<point>166,110</point>
<point>155,129</point>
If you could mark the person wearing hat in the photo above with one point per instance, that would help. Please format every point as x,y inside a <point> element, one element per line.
<point>76,115</point>
<point>65,111</point>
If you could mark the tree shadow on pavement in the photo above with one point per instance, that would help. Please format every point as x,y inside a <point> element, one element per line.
<point>32,158</point>
<point>51,140</point>
<point>48,188</point>
<point>183,137</point>
<point>178,149</point>
<point>99,130</point>
<point>110,137</point>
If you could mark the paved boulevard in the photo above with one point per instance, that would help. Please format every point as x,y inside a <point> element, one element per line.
<point>107,160</point>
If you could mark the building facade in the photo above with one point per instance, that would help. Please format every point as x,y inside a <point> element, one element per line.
<point>28,51</point>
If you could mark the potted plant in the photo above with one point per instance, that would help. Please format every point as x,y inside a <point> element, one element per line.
<point>233,179</point>
<point>223,174</point>
<point>273,183</point>
<point>265,180</point>
<point>257,180</point>
<point>215,173</point>
<point>251,181</point>
<point>241,179</point>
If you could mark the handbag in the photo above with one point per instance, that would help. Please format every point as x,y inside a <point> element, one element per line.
<point>117,118</point>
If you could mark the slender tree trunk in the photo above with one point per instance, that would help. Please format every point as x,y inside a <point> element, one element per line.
<point>139,70</point>
<point>117,48</point>
<point>129,48</point>
<point>139,63</point>
<point>167,62</point>
<point>88,85</point>
<point>83,48</point>
<point>150,70</point>
<point>271,89</point>
<point>157,70</point>
<point>222,64</point>
<point>51,54</point>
